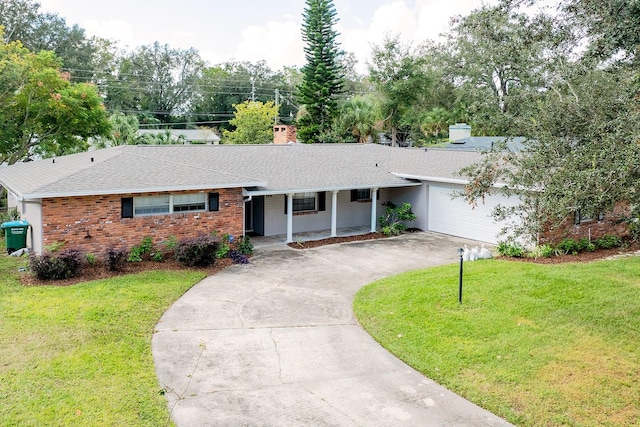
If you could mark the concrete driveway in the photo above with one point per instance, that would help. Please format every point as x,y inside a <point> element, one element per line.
<point>275,343</point>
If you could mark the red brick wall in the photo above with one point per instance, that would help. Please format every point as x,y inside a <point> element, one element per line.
<point>73,219</point>
<point>610,224</point>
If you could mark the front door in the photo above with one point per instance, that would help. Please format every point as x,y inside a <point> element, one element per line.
<point>254,216</point>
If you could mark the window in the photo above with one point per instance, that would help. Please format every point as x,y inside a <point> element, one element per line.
<point>167,203</point>
<point>303,202</point>
<point>307,202</point>
<point>582,215</point>
<point>151,205</point>
<point>361,195</point>
<point>188,202</point>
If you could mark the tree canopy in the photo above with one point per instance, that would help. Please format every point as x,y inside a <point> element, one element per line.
<point>582,125</point>
<point>253,122</point>
<point>41,111</point>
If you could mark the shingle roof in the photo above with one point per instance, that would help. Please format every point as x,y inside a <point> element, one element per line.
<point>266,169</point>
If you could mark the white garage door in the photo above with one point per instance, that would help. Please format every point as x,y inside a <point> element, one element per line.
<point>457,218</point>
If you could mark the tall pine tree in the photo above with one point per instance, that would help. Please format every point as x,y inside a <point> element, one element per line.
<point>322,75</point>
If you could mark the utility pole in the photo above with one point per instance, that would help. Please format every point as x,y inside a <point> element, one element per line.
<point>277,105</point>
<point>253,89</point>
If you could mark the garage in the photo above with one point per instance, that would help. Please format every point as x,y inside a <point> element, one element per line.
<point>457,218</point>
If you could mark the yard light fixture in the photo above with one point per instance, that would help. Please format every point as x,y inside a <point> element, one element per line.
<point>461,253</point>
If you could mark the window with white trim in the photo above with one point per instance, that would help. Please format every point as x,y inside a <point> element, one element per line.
<point>169,203</point>
<point>188,202</point>
<point>151,205</point>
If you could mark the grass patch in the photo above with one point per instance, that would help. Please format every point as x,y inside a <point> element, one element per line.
<point>81,355</point>
<point>540,345</point>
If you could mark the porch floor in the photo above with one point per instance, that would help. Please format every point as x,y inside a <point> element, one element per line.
<point>280,239</point>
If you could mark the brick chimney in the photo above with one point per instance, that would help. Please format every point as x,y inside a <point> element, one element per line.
<point>284,134</point>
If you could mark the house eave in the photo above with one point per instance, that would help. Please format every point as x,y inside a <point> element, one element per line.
<point>333,188</point>
<point>84,193</point>
<point>441,179</point>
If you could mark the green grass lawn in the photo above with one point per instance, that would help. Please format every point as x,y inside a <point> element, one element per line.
<point>81,355</point>
<point>540,345</point>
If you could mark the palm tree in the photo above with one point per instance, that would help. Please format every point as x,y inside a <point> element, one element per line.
<point>358,117</point>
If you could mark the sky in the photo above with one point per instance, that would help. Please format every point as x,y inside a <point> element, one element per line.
<point>254,30</point>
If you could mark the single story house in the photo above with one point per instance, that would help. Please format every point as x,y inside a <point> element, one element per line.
<point>116,196</point>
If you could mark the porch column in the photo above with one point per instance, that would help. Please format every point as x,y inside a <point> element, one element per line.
<point>334,213</point>
<point>289,218</point>
<point>374,207</point>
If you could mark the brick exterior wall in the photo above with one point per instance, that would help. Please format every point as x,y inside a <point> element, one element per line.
<point>94,223</point>
<point>610,224</point>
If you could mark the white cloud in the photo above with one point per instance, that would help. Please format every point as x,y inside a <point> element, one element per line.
<point>393,18</point>
<point>112,30</point>
<point>278,43</point>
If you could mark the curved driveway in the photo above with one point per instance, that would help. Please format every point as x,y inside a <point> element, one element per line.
<point>275,343</point>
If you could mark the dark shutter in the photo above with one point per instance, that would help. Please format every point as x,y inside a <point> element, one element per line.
<point>286,205</point>
<point>214,202</point>
<point>354,195</point>
<point>322,201</point>
<point>127,207</point>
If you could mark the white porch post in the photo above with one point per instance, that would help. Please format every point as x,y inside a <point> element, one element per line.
<point>374,207</point>
<point>289,217</point>
<point>334,213</point>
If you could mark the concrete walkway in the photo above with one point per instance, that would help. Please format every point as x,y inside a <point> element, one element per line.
<point>275,343</point>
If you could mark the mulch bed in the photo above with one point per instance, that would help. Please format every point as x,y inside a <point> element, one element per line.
<point>308,244</point>
<point>581,257</point>
<point>99,271</point>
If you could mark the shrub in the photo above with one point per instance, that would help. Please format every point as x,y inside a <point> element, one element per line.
<point>608,241</point>
<point>198,251</point>
<point>223,248</point>
<point>91,259</point>
<point>73,259</point>
<point>171,243</point>
<point>116,259</point>
<point>48,266</point>
<point>139,251</point>
<point>541,251</point>
<point>569,246</point>
<point>245,246</point>
<point>54,246</point>
<point>585,244</point>
<point>238,257</point>
<point>391,223</point>
<point>510,249</point>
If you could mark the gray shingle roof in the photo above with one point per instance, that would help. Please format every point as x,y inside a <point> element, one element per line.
<point>262,169</point>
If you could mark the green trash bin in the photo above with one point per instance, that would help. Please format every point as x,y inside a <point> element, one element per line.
<point>15,233</point>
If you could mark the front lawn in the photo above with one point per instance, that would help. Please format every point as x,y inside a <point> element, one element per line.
<point>81,354</point>
<point>540,345</point>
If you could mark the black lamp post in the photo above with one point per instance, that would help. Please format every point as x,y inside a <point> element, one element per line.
<point>460,252</point>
